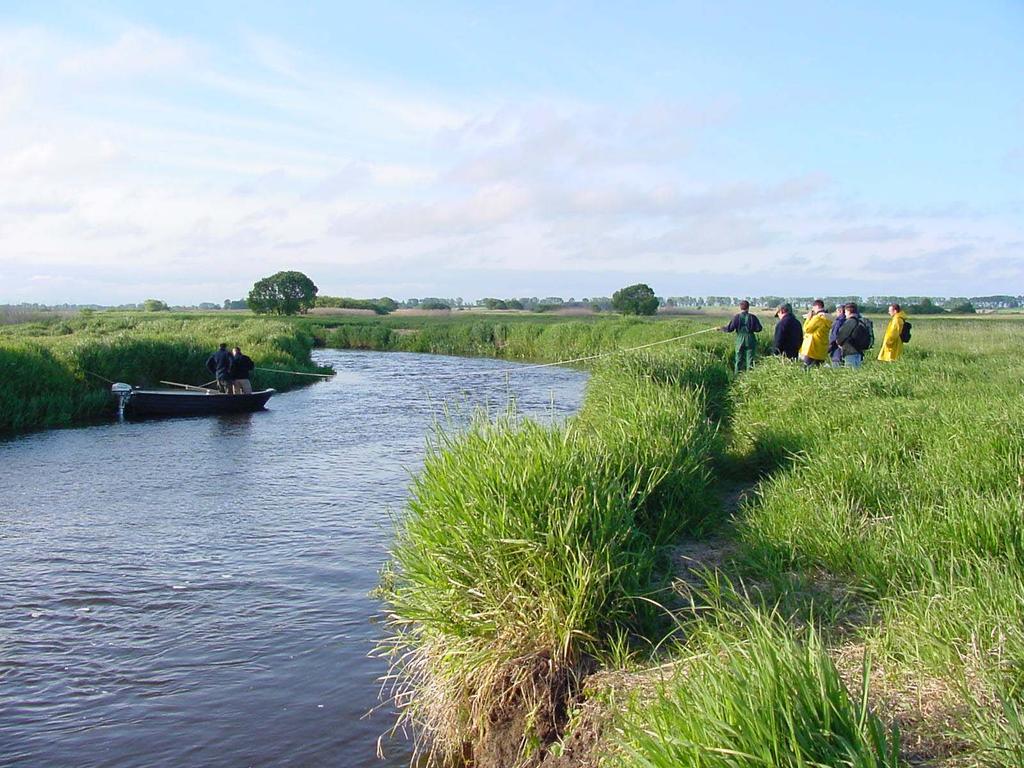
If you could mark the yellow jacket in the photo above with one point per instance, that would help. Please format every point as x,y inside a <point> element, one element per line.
<point>892,344</point>
<point>816,330</point>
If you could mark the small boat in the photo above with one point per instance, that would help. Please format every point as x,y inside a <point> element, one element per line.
<point>134,402</point>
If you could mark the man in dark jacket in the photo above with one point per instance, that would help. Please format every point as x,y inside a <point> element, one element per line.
<point>744,325</point>
<point>834,350</point>
<point>241,371</point>
<point>854,337</point>
<point>219,364</point>
<point>789,334</point>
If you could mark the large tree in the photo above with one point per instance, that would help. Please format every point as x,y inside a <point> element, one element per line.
<point>286,293</point>
<point>636,299</point>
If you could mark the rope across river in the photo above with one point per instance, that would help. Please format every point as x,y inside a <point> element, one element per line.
<point>294,373</point>
<point>587,358</point>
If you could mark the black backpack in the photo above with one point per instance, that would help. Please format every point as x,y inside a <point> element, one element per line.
<point>905,331</point>
<point>862,337</point>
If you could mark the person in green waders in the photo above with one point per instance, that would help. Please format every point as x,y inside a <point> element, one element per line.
<point>744,325</point>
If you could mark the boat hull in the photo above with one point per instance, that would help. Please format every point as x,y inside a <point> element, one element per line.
<point>141,403</point>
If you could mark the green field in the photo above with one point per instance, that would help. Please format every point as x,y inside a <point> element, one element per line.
<point>862,603</point>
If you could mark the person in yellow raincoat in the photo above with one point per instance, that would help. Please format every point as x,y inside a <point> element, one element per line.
<point>814,350</point>
<point>892,344</point>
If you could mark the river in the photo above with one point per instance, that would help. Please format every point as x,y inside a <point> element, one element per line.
<point>196,591</point>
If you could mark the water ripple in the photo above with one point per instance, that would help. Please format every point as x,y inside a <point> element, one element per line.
<point>195,591</point>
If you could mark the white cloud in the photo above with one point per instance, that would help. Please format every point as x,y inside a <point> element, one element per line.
<point>136,52</point>
<point>877,233</point>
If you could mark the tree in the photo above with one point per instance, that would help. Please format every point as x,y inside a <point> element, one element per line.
<point>155,305</point>
<point>284,293</point>
<point>925,307</point>
<point>387,304</point>
<point>636,299</point>
<point>432,303</point>
<point>964,308</point>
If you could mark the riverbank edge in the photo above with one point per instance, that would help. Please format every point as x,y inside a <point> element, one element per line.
<point>526,693</point>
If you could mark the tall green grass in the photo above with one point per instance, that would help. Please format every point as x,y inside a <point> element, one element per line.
<point>886,511</point>
<point>905,483</point>
<point>51,374</point>
<point>524,541</point>
<point>748,691</point>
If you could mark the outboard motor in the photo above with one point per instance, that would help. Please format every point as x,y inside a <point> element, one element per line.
<point>123,393</point>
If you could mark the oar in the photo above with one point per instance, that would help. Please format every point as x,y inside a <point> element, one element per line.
<point>189,386</point>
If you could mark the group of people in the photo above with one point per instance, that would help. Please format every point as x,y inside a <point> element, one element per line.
<point>841,340</point>
<point>232,369</point>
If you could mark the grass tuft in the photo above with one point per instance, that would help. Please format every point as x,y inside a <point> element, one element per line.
<point>750,692</point>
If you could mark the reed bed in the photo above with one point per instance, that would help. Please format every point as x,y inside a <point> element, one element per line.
<point>50,373</point>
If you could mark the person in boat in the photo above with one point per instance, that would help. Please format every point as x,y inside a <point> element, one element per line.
<point>219,364</point>
<point>241,371</point>
<point>744,325</point>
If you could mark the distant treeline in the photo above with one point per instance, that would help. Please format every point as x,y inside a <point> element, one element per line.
<point>385,305</point>
<point>917,304</point>
<point>381,306</point>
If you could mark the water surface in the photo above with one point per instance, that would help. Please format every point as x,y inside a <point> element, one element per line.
<point>195,591</point>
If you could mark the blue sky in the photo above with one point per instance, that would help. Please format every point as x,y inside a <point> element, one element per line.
<point>182,151</point>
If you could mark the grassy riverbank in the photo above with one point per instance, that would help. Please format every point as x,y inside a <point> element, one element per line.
<point>867,608</point>
<point>49,371</point>
<point>530,552</point>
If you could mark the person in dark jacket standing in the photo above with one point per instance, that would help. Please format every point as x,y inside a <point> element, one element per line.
<point>744,325</point>
<point>855,337</point>
<point>241,371</point>
<point>835,351</point>
<point>219,364</point>
<point>789,334</point>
